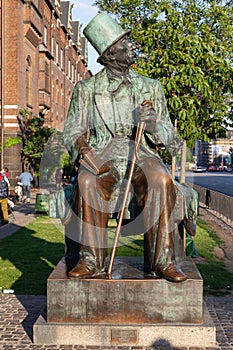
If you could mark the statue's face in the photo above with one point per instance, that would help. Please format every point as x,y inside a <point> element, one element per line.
<point>124,52</point>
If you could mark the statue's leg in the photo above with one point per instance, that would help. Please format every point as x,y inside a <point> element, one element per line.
<point>92,217</point>
<point>155,189</point>
<point>72,245</point>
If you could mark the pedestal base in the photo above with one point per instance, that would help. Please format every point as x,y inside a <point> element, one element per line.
<point>128,309</point>
<point>128,297</point>
<point>150,335</point>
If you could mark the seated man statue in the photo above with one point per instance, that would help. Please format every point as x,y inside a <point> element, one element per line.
<point>100,131</point>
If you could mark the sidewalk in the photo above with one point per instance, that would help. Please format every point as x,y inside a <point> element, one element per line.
<point>18,313</point>
<point>23,213</point>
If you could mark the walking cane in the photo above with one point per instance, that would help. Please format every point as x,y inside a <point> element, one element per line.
<point>140,129</point>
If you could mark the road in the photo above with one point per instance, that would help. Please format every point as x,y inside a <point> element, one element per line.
<point>219,182</point>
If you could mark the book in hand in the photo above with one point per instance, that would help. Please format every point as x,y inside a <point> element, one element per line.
<point>94,164</point>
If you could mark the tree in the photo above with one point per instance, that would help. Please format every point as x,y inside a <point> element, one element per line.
<point>187,46</point>
<point>55,156</point>
<point>34,136</point>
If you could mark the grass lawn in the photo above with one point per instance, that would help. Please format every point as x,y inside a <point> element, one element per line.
<point>28,256</point>
<point>217,280</point>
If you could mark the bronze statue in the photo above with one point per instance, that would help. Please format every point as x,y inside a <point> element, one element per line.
<point>99,132</point>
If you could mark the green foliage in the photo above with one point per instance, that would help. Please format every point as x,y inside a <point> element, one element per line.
<point>187,45</point>
<point>12,141</point>
<point>55,155</point>
<point>34,136</point>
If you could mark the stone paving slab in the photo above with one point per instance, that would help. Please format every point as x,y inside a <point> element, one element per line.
<point>18,313</point>
<point>22,214</point>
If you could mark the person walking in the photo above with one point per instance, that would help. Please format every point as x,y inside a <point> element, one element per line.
<point>26,179</point>
<point>4,192</point>
<point>58,177</point>
<point>5,171</point>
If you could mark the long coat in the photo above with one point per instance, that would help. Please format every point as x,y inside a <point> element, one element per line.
<point>91,111</point>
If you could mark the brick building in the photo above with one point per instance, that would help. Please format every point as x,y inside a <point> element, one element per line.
<point>42,57</point>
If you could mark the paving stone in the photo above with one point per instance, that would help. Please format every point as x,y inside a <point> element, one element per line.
<point>18,313</point>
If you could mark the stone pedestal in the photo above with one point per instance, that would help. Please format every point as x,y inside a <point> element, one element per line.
<point>128,297</point>
<point>128,309</point>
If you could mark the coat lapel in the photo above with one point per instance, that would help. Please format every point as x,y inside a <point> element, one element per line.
<point>141,89</point>
<point>103,100</point>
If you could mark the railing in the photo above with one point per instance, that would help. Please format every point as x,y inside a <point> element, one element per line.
<point>216,201</point>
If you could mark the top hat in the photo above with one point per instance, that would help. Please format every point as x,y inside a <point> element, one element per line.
<point>103,31</point>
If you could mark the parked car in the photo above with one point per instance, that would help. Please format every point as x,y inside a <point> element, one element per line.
<point>199,169</point>
<point>212,168</point>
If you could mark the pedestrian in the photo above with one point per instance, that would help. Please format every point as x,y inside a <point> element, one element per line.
<point>5,171</point>
<point>58,177</point>
<point>45,174</point>
<point>4,192</point>
<point>26,179</point>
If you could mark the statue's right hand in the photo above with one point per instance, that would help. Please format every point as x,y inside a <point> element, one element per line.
<point>93,163</point>
<point>106,183</point>
<point>84,150</point>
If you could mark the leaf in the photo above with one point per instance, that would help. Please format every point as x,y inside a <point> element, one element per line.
<point>187,45</point>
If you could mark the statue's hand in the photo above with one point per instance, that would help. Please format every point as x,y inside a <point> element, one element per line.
<point>147,114</point>
<point>84,150</point>
<point>93,163</point>
<point>106,183</point>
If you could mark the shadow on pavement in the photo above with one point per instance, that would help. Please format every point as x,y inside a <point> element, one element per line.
<point>35,305</point>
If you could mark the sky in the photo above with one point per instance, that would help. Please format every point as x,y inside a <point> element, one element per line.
<point>84,11</point>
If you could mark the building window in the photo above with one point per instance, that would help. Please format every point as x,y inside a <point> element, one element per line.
<point>52,44</point>
<point>62,95</point>
<point>57,53</point>
<point>52,88</point>
<point>46,76</point>
<point>61,58</point>
<point>57,91</point>
<point>72,77</point>
<point>69,69</point>
<point>68,98</point>
<point>28,80</point>
<point>45,36</point>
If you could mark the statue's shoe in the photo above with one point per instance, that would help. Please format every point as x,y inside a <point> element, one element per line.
<point>82,269</point>
<point>171,272</point>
